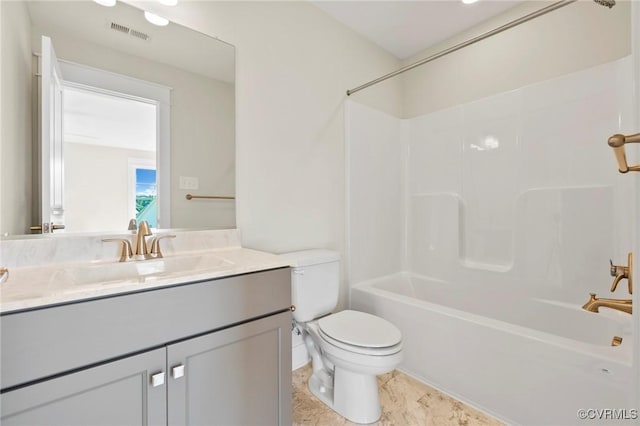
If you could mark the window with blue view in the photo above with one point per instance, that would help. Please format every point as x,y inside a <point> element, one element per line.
<point>146,196</point>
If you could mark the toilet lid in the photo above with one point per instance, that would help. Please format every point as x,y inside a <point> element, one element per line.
<point>360,329</point>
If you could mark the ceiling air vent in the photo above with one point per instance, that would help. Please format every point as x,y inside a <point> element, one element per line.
<point>120,27</point>
<point>126,30</point>
<point>139,34</point>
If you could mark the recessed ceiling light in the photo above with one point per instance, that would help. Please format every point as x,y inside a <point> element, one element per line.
<point>469,1</point>
<point>168,2</point>
<point>107,3</point>
<point>155,19</point>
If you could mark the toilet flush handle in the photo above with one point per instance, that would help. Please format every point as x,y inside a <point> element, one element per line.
<point>298,271</point>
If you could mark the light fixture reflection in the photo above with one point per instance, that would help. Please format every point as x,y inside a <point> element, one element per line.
<point>108,3</point>
<point>168,2</point>
<point>491,142</point>
<point>487,144</point>
<point>155,19</point>
<point>469,1</point>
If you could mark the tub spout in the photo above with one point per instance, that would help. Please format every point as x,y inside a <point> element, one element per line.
<point>594,304</point>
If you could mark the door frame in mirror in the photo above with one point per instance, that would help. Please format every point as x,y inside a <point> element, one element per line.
<point>82,76</point>
<point>50,192</point>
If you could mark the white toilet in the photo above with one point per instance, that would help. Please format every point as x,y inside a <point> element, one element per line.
<point>348,349</point>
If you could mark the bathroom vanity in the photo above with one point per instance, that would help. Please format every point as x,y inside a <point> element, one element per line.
<point>180,349</point>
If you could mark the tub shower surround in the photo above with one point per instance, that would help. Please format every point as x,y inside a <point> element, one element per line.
<point>494,220</point>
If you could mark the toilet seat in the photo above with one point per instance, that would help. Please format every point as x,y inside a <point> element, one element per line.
<point>361,333</point>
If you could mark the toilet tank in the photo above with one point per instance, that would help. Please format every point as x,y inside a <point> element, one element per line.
<point>315,282</point>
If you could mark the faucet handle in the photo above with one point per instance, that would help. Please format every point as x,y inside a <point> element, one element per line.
<point>155,245</point>
<point>127,251</point>
<point>615,270</point>
<point>620,272</point>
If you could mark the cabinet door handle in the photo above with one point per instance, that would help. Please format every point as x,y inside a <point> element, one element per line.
<point>177,371</point>
<point>157,379</point>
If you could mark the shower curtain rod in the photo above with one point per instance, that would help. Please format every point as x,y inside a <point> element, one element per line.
<point>514,23</point>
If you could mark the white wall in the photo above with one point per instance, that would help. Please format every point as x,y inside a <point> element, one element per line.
<point>99,197</point>
<point>293,64</point>
<point>569,39</point>
<point>16,116</point>
<point>375,193</point>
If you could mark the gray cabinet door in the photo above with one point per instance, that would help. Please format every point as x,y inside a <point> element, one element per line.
<point>116,393</point>
<point>237,376</point>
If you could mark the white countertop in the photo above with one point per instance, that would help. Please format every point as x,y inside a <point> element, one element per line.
<point>39,286</point>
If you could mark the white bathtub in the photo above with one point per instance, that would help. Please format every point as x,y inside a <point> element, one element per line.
<point>523,360</point>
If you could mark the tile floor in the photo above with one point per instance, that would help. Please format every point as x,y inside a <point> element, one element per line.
<point>405,402</point>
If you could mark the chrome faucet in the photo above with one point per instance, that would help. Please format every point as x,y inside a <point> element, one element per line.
<point>594,304</point>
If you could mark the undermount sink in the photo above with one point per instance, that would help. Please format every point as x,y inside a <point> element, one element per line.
<point>142,270</point>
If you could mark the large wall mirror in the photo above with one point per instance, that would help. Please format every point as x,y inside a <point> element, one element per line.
<point>107,117</point>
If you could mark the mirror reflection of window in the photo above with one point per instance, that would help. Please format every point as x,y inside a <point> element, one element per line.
<point>146,196</point>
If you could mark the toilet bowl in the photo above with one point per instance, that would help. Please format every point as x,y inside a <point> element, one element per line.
<point>348,349</point>
<point>346,363</point>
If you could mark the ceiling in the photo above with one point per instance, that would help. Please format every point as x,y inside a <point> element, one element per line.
<point>172,45</point>
<point>405,28</point>
<point>100,119</point>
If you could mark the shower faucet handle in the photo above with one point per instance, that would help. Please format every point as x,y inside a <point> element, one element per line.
<point>613,269</point>
<point>622,272</point>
